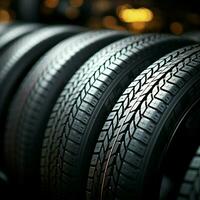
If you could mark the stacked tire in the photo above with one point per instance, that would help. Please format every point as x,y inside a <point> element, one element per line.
<point>99,114</point>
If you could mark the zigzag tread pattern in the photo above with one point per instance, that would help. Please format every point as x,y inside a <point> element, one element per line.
<point>115,119</point>
<point>38,86</point>
<point>133,132</point>
<point>70,118</point>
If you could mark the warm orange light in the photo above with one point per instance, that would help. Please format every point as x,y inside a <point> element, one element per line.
<point>109,21</point>
<point>51,3</point>
<point>176,28</point>
<point>76,3</point>
<point>5,16</point>
<point>138,26</point>
<point>72,13</point>
<point>130,15</point>
<point>101,6</point>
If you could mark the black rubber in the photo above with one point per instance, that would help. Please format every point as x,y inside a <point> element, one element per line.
<point>82,107</point>
<point>32,105</point>
<point>14,32</point>
<point>18,59</point>
<point>193,35</point>
<point>128,156</point>
<point>2,28</point>
<point>190,188</point>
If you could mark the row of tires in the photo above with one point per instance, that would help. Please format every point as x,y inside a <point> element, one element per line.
<point>99,114</point>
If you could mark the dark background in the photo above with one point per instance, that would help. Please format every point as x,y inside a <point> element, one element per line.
<point>175,16</point>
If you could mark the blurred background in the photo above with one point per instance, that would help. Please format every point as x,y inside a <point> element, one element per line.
<point>170,16</point>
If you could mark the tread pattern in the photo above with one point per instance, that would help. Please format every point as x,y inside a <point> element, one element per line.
<point>190,189</point>
<point>82,106</point>
<point>117,165</point>
<point>46,80</point>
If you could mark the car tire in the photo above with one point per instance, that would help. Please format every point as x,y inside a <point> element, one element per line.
<point>83,105</point>
<point>129,156</point>
<point>36,96</point>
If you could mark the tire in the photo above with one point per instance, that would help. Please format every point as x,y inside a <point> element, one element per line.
<point>25,126</point>
<point>83,105</point>
<point>131,153</point>
<point>2,28</point>
<point>194,35</point>
<point>190,187</point>
<point>14,32</point>
<point>18,59</point>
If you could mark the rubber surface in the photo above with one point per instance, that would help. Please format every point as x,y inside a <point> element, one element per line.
<point>37,95</point>
<point>18,59</point>
<point>14,32</point>
<point>83,105</point>
<point>194,35</point>
<point>2,28</point>
<point>190,189</point>
<point>127,160</point>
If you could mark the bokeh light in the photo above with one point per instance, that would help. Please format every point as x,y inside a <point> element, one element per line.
<point>51,3</point>
<point>5,16</point>
<point>176,28</point>
<point>138,16</point>
<point>130,15</point>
